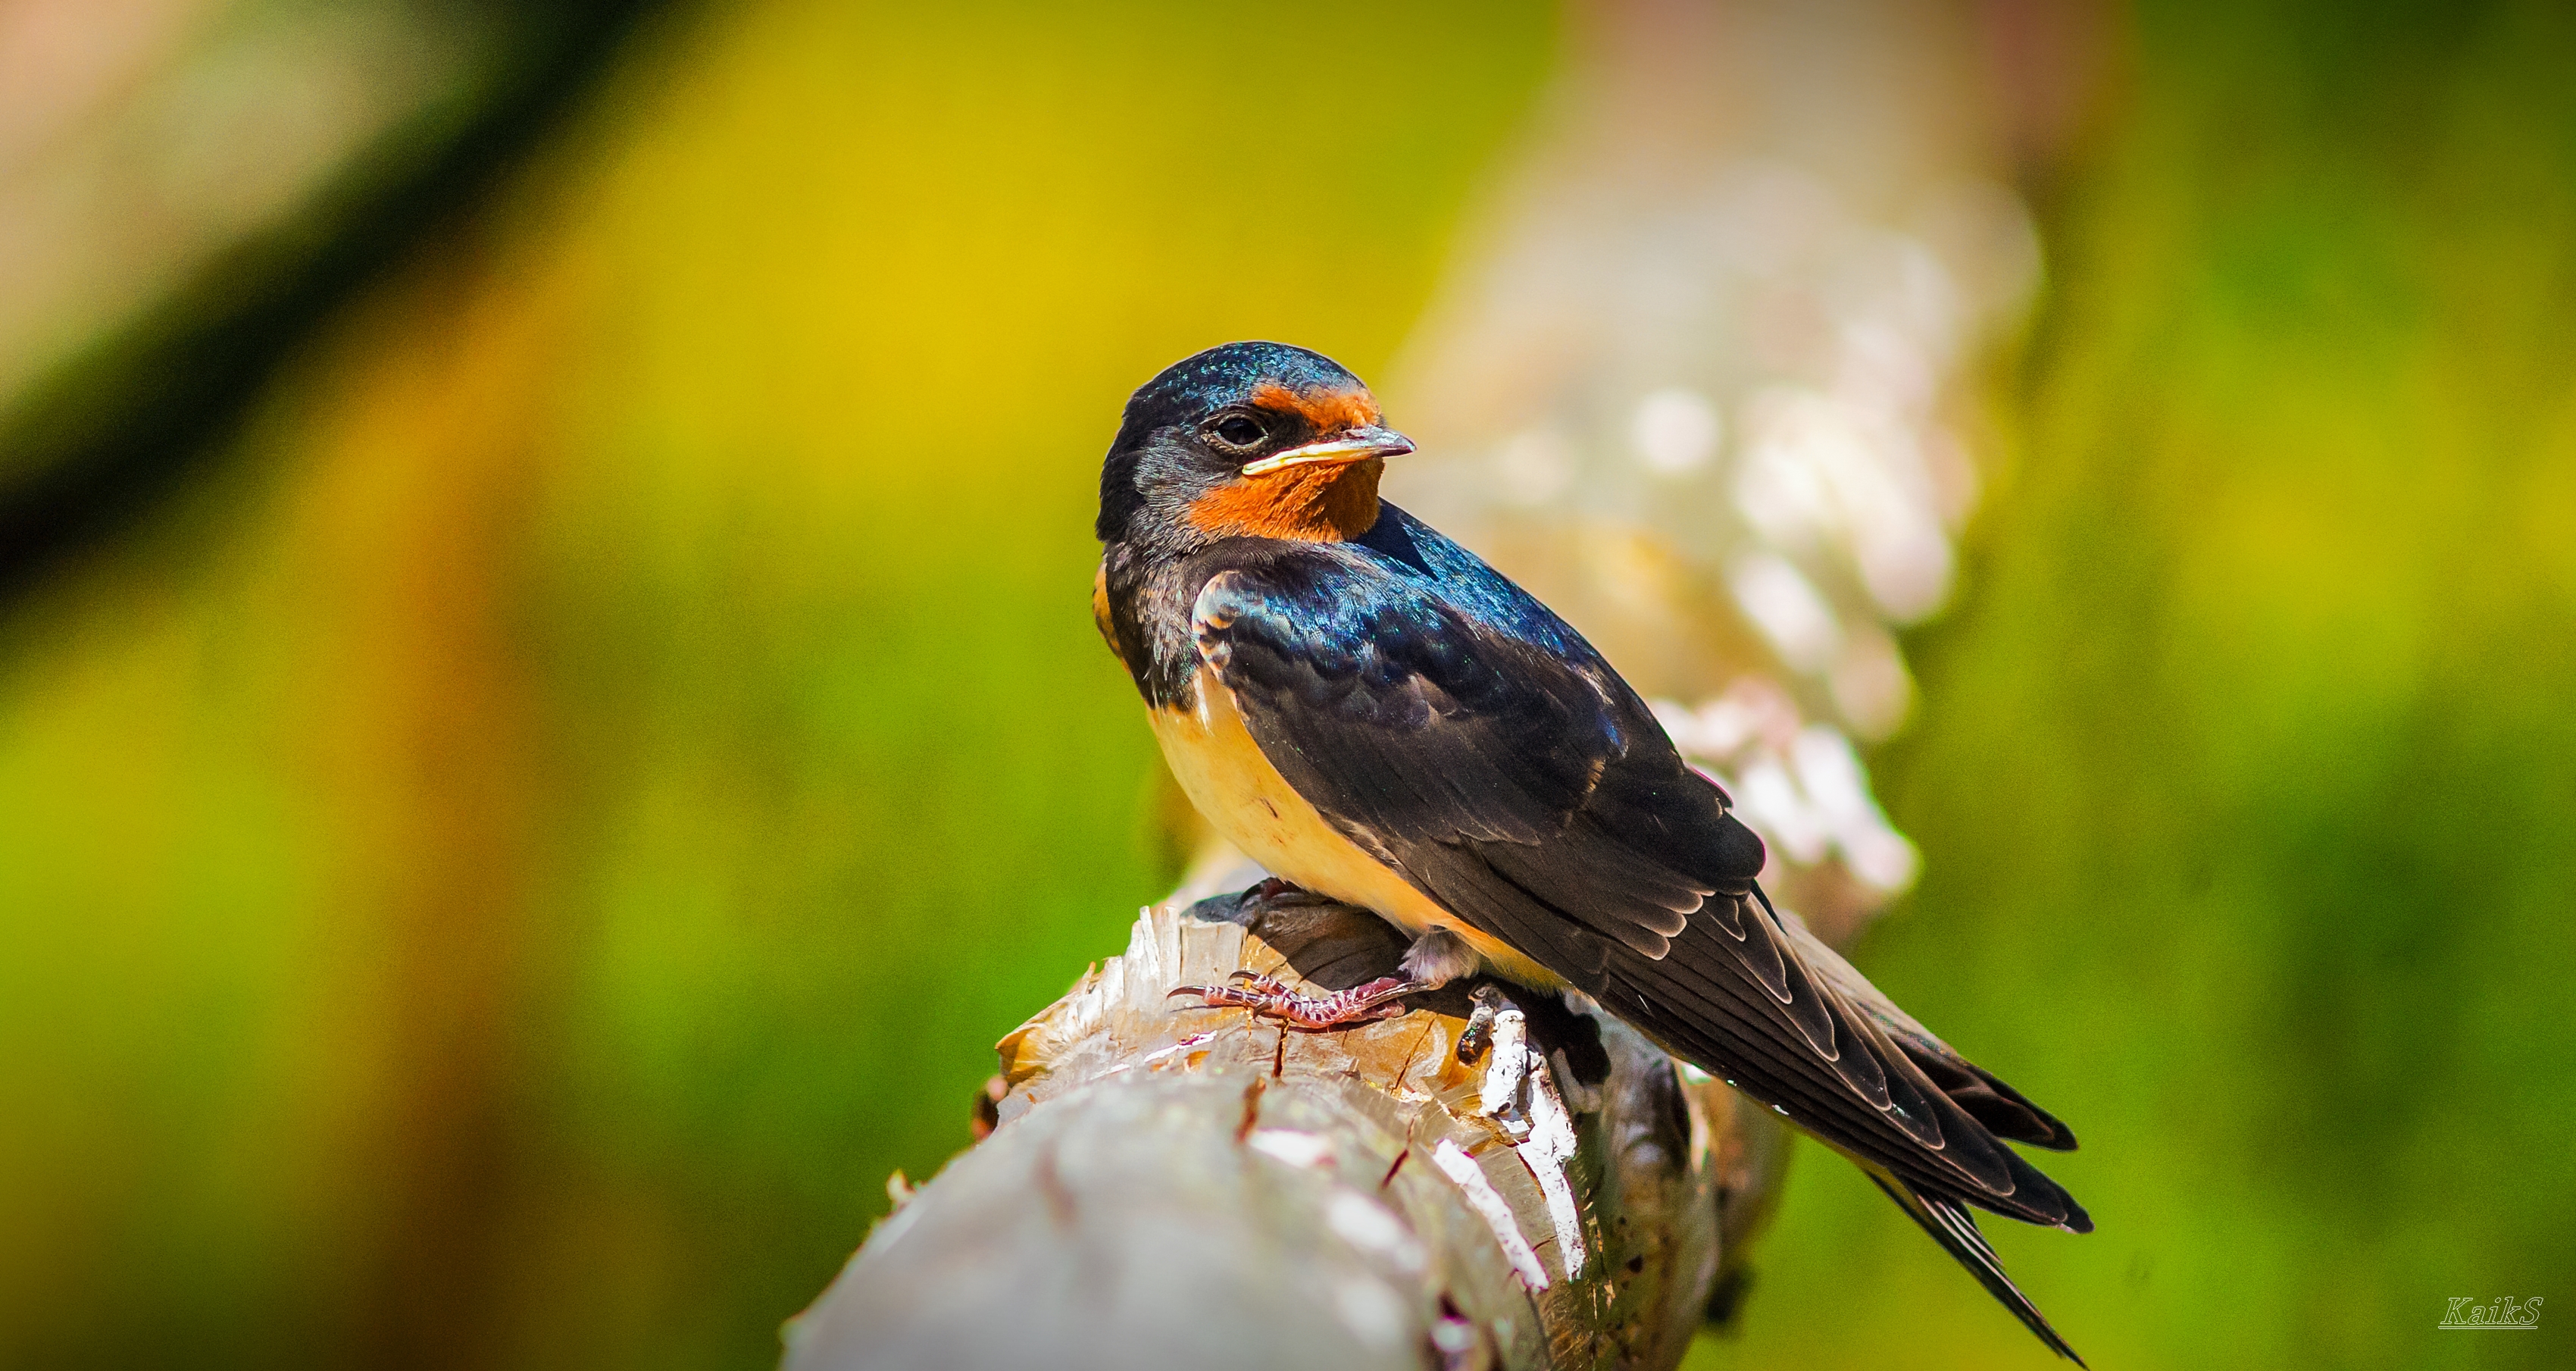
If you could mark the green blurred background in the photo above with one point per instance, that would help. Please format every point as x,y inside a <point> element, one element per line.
<point>502,855</point>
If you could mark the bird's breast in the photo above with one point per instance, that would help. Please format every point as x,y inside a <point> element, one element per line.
<point>1244,797</point>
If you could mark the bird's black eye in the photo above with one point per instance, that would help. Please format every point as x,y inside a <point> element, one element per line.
<point>1237,431</point>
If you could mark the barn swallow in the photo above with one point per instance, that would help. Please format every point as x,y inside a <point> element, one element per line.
<point>1373,714</point>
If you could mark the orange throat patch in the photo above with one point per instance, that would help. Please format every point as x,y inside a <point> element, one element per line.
<point>1313,504</point>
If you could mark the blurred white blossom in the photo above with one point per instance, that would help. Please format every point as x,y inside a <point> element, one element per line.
<point>1798,784</point>
<point>1676,431</point>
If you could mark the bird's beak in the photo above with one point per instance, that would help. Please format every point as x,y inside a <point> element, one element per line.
<point>1354,445</point>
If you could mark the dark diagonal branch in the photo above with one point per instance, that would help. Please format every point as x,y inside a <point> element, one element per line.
<point>105,436</point>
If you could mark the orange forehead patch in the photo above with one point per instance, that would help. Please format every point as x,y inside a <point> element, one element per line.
<point>1330,411</point>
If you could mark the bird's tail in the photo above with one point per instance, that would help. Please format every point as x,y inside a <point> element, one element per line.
<point>1952,1226</point>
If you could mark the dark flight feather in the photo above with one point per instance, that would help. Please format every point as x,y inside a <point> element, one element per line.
<point>1952,1226</point>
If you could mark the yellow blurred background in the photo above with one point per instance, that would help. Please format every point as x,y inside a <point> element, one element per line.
<point>501,859</point>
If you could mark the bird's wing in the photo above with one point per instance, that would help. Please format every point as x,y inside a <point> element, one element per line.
<point>1527,790</point>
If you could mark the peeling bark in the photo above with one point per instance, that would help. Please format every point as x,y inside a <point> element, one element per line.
<point>1169,1185</point>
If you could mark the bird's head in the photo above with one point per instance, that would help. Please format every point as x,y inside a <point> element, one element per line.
<point>1249,439</point>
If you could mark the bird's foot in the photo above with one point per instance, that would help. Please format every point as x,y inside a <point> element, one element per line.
<point>1479,1032</point>
<point>1268,999</point>
<point>1270,891</point>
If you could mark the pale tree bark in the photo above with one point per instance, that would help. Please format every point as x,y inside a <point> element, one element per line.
<point>1175,1186</point>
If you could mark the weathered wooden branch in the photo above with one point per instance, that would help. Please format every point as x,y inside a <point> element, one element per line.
<point>1177,1186</point>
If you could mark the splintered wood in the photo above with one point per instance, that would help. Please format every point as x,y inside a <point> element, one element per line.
<point>1171,1185</point>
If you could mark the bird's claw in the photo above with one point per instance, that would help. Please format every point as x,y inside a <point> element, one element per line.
<point>1271,999</point>
<point>1272,892</point>
<point>1479,1033</point>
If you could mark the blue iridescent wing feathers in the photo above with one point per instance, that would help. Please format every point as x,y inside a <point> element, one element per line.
<point>1445,721</point>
